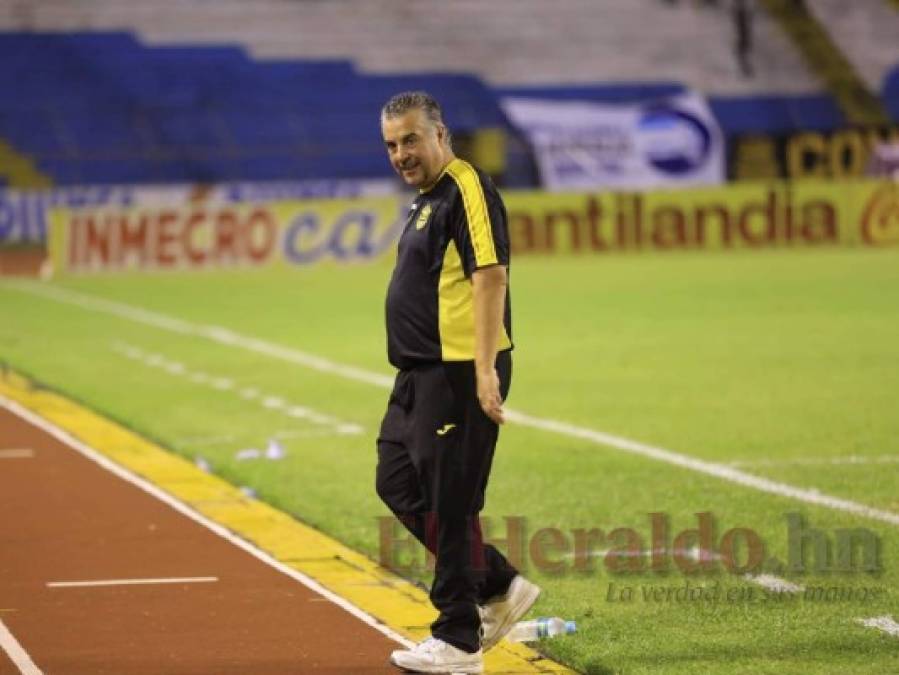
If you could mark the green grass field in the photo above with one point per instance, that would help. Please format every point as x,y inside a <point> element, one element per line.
<point>784,365</point>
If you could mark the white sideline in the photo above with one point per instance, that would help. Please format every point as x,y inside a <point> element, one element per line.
<point>807,495</point>
<point>17,655</point>
<point>887,624</point>
<point>131,582</point>
<point>185,510</point>
<point>213,333</point>
<point>228,337</point>
<point>818,461</point>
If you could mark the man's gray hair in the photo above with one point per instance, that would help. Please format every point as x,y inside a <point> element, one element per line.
<point>400,104</point>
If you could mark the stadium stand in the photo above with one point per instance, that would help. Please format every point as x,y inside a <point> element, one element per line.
<point>859,102</point>
<point>505,42</point>
<point>168,91</point>
<point>866,32</point>
<point>101,107</point>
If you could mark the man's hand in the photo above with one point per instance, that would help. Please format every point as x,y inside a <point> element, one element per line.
<point>488,395</point>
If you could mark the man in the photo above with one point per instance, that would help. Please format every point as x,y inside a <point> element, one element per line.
<point>449,335</point>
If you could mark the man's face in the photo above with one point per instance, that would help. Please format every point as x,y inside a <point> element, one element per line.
<point>415,146</point>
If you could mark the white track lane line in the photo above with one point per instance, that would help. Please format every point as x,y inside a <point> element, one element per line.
<point>131,582</point>
<point>228,337</point>
<point>17,655</point>
<point>185,510</point>
<point>17,453</point>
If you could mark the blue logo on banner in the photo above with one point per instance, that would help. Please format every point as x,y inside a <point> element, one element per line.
<point>676,142</point>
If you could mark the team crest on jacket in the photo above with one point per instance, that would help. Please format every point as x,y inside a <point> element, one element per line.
<point>423,217</point>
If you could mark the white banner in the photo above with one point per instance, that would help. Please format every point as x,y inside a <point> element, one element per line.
<point>663,143</point>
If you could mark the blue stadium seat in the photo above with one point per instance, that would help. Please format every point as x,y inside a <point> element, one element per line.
<point>210,111</point>
<point>184,169</point>
<point>63,171</point>
<point>268,167</point>
<point>891,93</point>
<point>32,131</point>
<point>185,128</point>
<point>286,82</point>
<point>467,102</point>
<point>777,114</point>
<point>195,76</point>
<point>104,131</point>
<point>81,171</point>
<point>350,164</point>
<point>59,67</point>
<point>630,92</point>
<point>261,128</point>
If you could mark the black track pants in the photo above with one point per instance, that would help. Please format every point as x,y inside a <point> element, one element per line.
<point>435,449</point>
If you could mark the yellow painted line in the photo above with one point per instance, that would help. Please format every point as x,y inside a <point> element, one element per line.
<point>399,604</point>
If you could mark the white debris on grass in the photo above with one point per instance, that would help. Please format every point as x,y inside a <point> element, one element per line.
<point>775,584</point>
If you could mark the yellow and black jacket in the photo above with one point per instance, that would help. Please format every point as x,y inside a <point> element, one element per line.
<point>454,228</point>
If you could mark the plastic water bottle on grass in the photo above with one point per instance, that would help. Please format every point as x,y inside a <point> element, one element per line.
<point>535,629</point>
<point>274,451</point>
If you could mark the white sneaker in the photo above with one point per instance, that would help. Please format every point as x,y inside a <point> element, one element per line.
<point>436,656</point>
<point>501,612</point>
